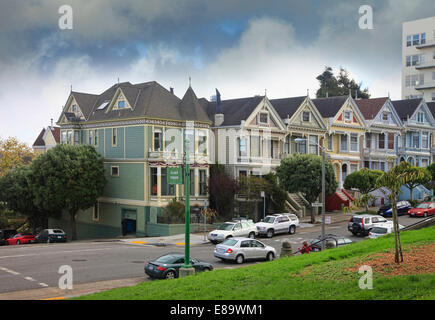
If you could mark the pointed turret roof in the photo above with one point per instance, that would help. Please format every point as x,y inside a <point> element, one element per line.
<point>190,108</point>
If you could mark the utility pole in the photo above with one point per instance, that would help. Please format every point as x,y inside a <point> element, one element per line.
<point>323,194</point>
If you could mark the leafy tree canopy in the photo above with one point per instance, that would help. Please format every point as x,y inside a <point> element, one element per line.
<point>364,180</point>
<point>339,85</point>
<point>13,154</point>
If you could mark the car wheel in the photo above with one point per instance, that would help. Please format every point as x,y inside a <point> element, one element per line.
<point>18,242</point>
<point>252,235</point>
<point>240,259</point>
<point>425,215</point>
<point>170,275</point>
<point>270,256</point>
<point>206,269</point>
<point>270,233</point>
<point>292,230</point>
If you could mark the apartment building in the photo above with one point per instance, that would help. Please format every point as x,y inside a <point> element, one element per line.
<point>418,59</point>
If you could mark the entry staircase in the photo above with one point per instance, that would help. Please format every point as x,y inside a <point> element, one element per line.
<point>341,198</point>
<point>299,203</point>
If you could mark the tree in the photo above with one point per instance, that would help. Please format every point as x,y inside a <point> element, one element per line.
<point>221,188</point>
<point>13,154</point>
<point>364,181</point>
<point>68,177</point>
<point>303,173</point>
<point>15,191</point>
<point>393,180</point>
<point>339,86</point>
<point>431,170</point>
<point>422,176</point>
<point>251,188</point>
<point>277,196</point>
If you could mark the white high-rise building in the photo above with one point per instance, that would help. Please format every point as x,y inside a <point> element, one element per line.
<point>418,59</point>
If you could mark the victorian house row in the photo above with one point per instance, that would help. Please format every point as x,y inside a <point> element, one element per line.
<point>139,131</point>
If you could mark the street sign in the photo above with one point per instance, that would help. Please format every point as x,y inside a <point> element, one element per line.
<point>262,194</point>
<point>174,175</point>
<point>327,219</point>
<point>316,204</point>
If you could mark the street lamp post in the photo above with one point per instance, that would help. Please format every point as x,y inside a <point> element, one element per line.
<point>323,187</point>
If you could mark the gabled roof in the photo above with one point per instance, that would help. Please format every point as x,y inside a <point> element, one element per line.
<point>85,101</point>
<point>190,108</point>
<point>370,107</point>
<point>39,142</point>
<point>235,110</point>
<point>148,99</point>
<point>329,107</point>
<point>406,107</point>
<point>431,106</point>
<point>287,106</point>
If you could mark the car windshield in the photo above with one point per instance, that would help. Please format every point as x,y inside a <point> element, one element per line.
<point>168,258</point>
<point>269,219</point>
<point>226,226</point>
<point>229,242</point>
<point>58,231</point>
<point>379,230</point>
<point>423,206</point>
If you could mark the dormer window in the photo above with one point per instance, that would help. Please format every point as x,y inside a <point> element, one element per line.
<point>306,116</point>
<point>348,116</point>
<point>121,104</point>
<point>263,118</point>
<point>74,108</point>
<point>420,117</point>
<point>385,116</point>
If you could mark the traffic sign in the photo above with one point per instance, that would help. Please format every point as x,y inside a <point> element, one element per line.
<point>174,175</point>
<point>327,219</point>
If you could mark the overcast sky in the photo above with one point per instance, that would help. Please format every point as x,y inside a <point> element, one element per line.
<point>239,47</point>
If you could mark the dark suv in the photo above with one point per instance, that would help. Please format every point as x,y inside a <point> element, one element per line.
<point>5,234</point>
<point>51,235</point>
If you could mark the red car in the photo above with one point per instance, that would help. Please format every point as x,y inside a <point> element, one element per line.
<point>21,238</point>
<point>424,209</point>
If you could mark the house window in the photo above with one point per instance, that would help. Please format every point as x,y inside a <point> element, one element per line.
<point>286,145</point>
<point>415,140</point>
<point>425,140</point>
<point>96,137</point>
<point>348,116</point>
<point>313,144</point>
<point>306,116</point>
<point>424,162</point>
<point>423,38</point>
<point>153,181</point>
<point>64,137</point>
<point>167,189</point>
<point>390,141</point>
<point>408,61</point>
<point>256,146</point>
<point>74,108</point>
<point>301,147</point>
<point>114,137</point>
<point>202,182</point>
<point>96,212</point>
<point>382,166</point>
<point>354,142</point>
<point>158,139</point>
<point>368,140</point>
<point>353,168</point>
<point>114,171</point>
<point>242,147</point>
<point>385,116</point>
<point>381,142</point>
<point>190,136</point>
<point>411,161</point>
<point>70,136</point>
<point>192,182</point>
<point>343,143</point>
<point>91,137</point>
<point>416,39</point>
<point>76,137</point>
<point>420,117</point>
<point>329,146</point>
<point>264,117</point>
<point>202,141</point>
<point>242,173</point>
<point>408,41</point>
<point>121,102</point>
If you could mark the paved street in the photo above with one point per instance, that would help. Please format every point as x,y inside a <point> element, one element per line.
<point>36,266</point>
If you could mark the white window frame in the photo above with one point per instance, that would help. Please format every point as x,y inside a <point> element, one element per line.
<point>306,113</point>
<point>263,113</point>
<point>114,137</point>
<point>111,171</point>
<point>350,115</point>
<point>357,142</point>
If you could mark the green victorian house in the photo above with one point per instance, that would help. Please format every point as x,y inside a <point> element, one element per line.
<point>139,130</point>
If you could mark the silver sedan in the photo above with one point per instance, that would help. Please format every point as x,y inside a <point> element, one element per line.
<point>242,249</point>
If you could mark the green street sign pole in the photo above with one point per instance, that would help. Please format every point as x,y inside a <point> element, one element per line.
<point>187,206</point>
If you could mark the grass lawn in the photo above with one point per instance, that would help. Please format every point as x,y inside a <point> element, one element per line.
<point>331,274</point>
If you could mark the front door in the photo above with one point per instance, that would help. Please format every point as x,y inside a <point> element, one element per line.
<point>128,221</point>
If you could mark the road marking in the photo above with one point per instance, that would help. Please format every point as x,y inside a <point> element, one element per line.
<point>42,284</point>
<point>9,271</point>
<point>29,278</point>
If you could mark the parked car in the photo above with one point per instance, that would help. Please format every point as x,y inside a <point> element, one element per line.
<point>362,224</point>
<point>387,210</point>
<point>278,223</point>
<point>235,228</point>
<point>243,249</point>
<point>382,230</point>
<point>5,234</point>
<point>21,238</point>
<point>168,265</point>
<point>422,210</point>
<point>337,241</point>
<point>51,235</point>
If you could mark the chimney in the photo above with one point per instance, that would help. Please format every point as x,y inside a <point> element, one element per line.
<point>172,90</point>
<point>51,123</point>
<point>218,119</point>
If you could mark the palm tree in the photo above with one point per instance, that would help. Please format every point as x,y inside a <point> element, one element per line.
<point>393,180</point>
